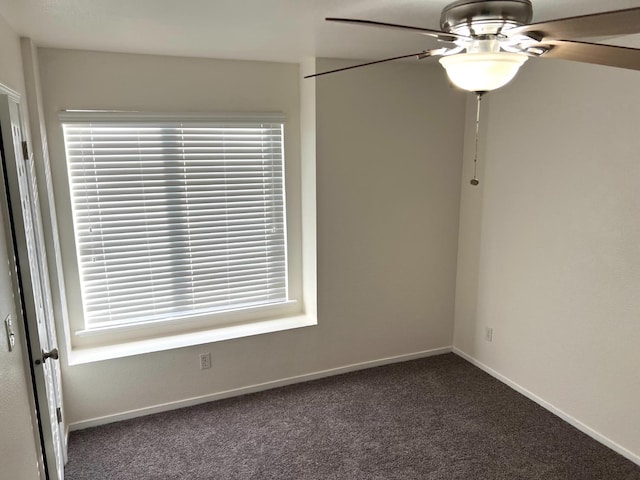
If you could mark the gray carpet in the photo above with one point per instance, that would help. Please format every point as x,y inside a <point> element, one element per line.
<point>435,418</point>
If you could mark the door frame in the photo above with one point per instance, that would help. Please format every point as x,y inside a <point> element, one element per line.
<point>25,304</point>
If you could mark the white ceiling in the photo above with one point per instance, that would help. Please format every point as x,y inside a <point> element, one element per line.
<point>273,30</point>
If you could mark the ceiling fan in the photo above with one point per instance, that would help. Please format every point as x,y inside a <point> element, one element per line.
<point>487,41</point>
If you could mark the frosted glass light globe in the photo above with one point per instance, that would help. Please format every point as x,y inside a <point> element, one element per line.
<point>482,72</point>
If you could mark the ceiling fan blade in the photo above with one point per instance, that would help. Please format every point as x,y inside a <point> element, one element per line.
<point>615,22</point>
<point>609,55</point>
<point>444,36</point>
<point>419,56</point>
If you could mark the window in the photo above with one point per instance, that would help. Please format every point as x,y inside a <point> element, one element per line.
<point>177,218</point>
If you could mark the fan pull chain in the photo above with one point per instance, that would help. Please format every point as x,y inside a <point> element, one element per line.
<point>474,181</point>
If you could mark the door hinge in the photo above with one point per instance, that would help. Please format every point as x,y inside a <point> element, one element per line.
<point>25,150</point>
<point>59,414</point>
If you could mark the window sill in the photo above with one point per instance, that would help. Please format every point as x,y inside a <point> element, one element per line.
<point>78,356</point>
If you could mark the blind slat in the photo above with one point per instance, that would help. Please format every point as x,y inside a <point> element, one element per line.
<point>174,219</point>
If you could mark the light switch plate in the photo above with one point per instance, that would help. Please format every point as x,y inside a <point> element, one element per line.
<point>11,336</point>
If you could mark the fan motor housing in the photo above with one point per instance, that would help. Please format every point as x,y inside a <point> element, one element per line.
<point>485,17</point>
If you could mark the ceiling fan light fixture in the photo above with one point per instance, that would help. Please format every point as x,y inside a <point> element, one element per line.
<point>482,72</point>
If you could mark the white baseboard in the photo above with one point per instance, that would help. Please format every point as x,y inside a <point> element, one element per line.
<point>551,408</point>
<point>93,422</point>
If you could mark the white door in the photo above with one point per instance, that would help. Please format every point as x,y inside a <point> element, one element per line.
<point>33,277</point>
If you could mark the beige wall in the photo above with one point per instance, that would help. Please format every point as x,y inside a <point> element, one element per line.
<point>550,244</point>
<point>73,79</point>
<point>388,166</point>
<point>18,456</point>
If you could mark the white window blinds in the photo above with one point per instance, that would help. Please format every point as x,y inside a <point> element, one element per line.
<point>176,219</point>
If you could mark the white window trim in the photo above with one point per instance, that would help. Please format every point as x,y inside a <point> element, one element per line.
<point>80,116</point>
<point>119,342</point>
<point>98,353</point>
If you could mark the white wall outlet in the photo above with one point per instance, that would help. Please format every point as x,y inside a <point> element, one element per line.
<point>488,334</point>
<point>205,361</point>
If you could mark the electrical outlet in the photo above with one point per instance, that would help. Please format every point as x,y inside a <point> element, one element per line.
<point>488,334</point>
<point>205,361</point>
